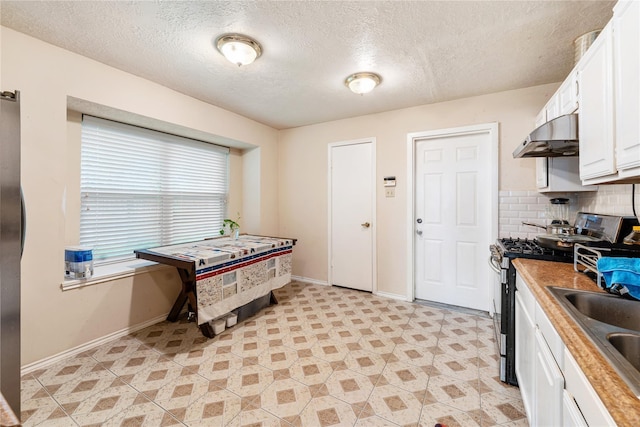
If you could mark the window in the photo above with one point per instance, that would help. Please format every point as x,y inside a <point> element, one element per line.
<point>141,188</point>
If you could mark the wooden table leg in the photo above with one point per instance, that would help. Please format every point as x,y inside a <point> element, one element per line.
<point>177,306</point>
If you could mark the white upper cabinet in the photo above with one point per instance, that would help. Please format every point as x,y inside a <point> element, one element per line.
<point>609,99</point>
<point>567,95</point>
<point>626,43</point>
<point>596,119</point>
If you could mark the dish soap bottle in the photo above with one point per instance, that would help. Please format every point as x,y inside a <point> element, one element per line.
<point>634,237</point>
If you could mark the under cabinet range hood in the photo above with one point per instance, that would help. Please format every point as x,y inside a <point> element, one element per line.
<point>556,138</point>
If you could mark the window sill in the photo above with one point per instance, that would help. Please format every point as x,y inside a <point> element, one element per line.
<point>110,272</point>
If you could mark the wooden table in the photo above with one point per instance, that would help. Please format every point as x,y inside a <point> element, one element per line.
<point>222,274</point>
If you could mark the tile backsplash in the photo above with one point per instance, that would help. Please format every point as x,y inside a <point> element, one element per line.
<point>517,207</point>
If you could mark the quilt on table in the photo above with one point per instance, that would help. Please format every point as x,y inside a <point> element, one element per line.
<point>231,273</point>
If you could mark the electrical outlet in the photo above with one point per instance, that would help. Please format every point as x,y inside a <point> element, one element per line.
<point>390,192</point>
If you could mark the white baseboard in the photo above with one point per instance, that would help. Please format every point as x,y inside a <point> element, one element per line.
<point>392,296</point>
<point>308,280</point>
<point>47,361</point>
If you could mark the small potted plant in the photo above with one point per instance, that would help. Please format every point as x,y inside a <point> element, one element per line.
<point>232,226</point>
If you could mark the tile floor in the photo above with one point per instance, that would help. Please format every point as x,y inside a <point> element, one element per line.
<point>324,356</point>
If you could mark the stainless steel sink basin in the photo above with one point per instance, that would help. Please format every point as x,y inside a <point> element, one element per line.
<point>607,308</point>
<point>612,323</point>
<point>629,346</point>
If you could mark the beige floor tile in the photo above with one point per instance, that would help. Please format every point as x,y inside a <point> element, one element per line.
<point>250,380</point>
<point>406,376</point>
<point>419,337</point>
<point>180,393</point>
<point>156,376</point>
<point>377,344</point>
<point>396,405</point>
<point>458,348</point>
<point>310,370</point>
<point>220,366</point>
<point>350,387</point>
<point>254,418</point>
<point>83,387</point>
<point>439,413</point>
<point>286,399</point>
<point>301,340</point>
<point>464,369</point>
<point>501,409</point>
<point>250,347</point>
<point>214,408</point>
<point>413,354</point>
<point>134,362</point>
<point>106,404</point>
<point>460,394</point>
<point>39,410</point>
<point>327,411</point>
<point>365,362</point>
<point>65,371</point>
<point>330,350</point>
<point>278,357</point>
<point>142,413</point>
<point>374,421</point>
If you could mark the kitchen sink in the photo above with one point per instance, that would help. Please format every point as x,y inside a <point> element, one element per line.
<point>610,309</point>
<point>613,325</point>
<point>629,346</point>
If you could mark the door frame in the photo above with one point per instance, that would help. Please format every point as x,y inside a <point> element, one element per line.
<point>374,223</point>
<point>412,139</point>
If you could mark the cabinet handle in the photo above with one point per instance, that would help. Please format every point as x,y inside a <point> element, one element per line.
<point>577,88</point>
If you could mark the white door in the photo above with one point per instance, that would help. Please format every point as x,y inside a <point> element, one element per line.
<point>453,218</point>
<point>351,201</point>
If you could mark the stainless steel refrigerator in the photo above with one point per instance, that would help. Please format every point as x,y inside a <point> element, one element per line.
<point>11,243</point>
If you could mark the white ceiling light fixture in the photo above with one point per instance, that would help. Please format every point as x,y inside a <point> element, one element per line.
<point>362,83</point>
<point>238,48</point>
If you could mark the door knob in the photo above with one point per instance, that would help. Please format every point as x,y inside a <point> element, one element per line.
<point>366,225</point>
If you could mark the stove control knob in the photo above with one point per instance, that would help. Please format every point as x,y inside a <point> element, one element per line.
<point>419,220</point>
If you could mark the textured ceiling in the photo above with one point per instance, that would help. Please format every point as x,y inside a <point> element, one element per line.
<point>425,51</point>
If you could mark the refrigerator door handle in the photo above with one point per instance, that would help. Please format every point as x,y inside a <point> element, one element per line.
<point>23,222</point>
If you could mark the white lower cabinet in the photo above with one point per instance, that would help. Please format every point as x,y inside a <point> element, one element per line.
<point>571,415</point>
<point>549,385</point>
<point>589,404</point>
<point>525,356</point>
<point>554,390</point>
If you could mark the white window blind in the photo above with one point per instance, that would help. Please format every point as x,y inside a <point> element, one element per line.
<point>142,188</point>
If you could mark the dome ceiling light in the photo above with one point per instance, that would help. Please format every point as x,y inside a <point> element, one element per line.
<point>238,49</point>
<point>362,83</point>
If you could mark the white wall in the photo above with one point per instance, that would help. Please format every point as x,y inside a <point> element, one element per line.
<point>303,171</point>
<point>51,80</point>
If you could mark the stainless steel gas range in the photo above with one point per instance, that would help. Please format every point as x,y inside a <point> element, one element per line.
<point>502,253</point>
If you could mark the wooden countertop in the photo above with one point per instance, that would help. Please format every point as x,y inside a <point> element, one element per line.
<point>622,403</point>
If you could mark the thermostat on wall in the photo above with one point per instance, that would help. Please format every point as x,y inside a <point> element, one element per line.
<point>389,181</point>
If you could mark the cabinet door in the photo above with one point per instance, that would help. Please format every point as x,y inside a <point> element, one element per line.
<point>549,384</point>
<point>568,94</point>
<point>525,353</point>
<point>596,108</point>
<point>541,118</point>
<point>571,415</point>
<point>626,39</point>
<point>553,107</point>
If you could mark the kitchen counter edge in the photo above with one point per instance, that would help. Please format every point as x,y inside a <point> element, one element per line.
<point>622,403</point>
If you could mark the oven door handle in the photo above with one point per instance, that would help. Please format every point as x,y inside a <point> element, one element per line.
<point>495,267</point>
